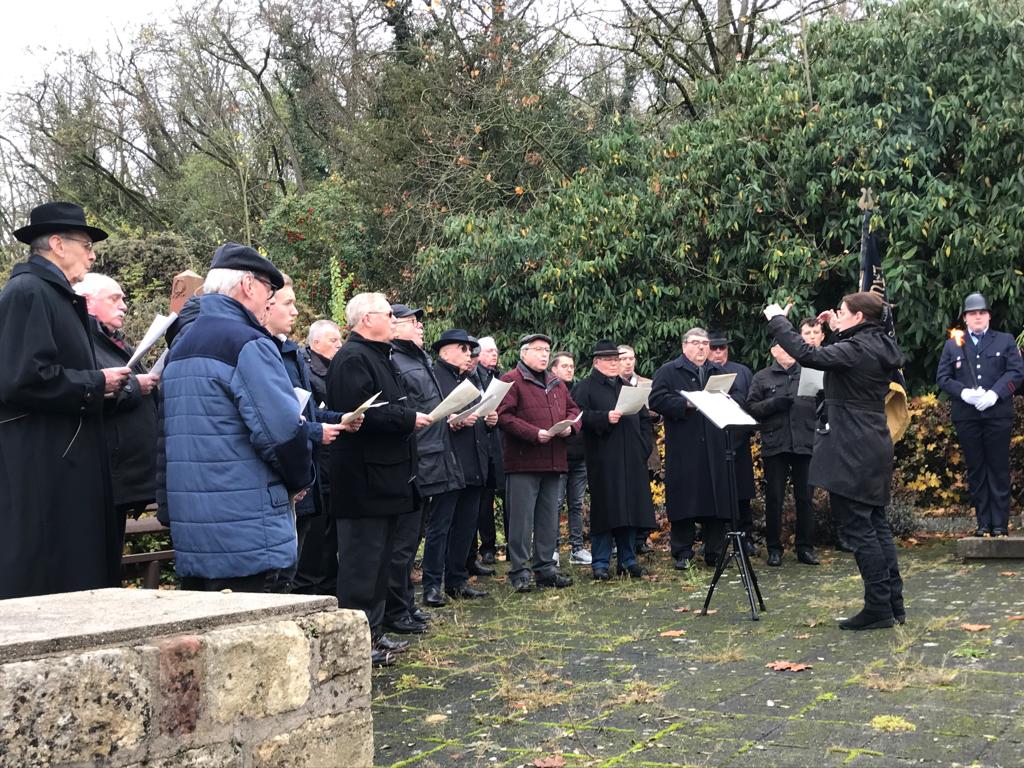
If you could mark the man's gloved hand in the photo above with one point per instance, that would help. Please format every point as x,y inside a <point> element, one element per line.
<point>971,396</point>
<point>987,400</point>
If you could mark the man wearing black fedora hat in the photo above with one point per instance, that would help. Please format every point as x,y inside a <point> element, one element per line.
<point>58,529</point>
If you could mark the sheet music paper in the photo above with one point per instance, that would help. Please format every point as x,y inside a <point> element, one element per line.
<point>348,418</point>
<point>302,396</point>
<point>559,426</point>
<point>632,399</point>
<point>158,366</point>
<point>460,397</point>
<point>720,382</point>
<point>720,409</point>
<point>811,382</point>
<point>489,403</point>
<point>156,329</point>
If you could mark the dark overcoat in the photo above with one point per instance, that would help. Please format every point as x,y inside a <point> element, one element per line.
<point>616,456</point>
<point>853,458</point>
<point>130,424</point>
<point>373,471</point>
<point>472,444</point>
<point>787,420</point>
<point>739,392</point>
<point>58,531</point>
<point>696,477</point>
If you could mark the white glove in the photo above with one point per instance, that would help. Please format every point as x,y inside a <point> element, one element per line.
<point>987,400</point>
<point>774,310</point>
<point>971,396</point>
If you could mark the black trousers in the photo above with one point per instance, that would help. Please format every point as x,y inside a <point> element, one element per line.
<point>868,533</point>
<point>779,469</point>
<point>684,532</point>
<point>485,525</point>
<point>364,561</point>
<point>267,581</point>
<point>460,537</point>
<point>317,571</point>
<point>401,600</point>
<point>986,446</point>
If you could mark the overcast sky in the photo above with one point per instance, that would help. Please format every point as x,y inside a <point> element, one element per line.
<point>36,33</point>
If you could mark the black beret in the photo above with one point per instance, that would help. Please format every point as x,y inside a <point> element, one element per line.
<point>246,259</point>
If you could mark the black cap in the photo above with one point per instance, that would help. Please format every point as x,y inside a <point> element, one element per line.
<point>605,348</point>
<point>718,339</point>
<point>454,336</point>
<point>400,311</point>
<point>975,303</point>
<point>246,259</point>
<point>529,338</point>
<point>51,218</point>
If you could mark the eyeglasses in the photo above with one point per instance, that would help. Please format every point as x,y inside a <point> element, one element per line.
<point>698,343</point>
<point>265,283</point>
<point>389,313</point>
<point>719,347</point>
<point>543,350</point>
<point>87,244</point>
<point>411,319</point>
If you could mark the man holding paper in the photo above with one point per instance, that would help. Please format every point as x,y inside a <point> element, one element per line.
<point>696,481</point>
<point>534,455</point>
<point>57,524</point>
<point>616,445</point>
<point>130,414</point>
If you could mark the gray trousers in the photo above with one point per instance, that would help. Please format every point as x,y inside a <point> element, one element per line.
<point>532,499</point>
<point>573,488</point>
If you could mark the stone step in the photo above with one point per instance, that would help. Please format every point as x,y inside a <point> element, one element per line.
<point>992,548</point>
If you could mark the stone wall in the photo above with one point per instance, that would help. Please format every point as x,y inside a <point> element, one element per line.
<point>142,678</point>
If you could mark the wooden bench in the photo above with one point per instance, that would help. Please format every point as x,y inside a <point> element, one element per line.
<point>148,562</point>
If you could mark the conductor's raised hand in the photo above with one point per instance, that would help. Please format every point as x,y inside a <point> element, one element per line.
<point>774,310</point>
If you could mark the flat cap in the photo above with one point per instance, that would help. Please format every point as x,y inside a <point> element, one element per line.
<point>529,338</point>
<point>246,259</point>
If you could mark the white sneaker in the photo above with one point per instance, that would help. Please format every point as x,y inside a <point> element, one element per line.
<point>581,556</point>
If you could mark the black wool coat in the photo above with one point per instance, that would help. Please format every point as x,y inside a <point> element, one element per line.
<point>130,423</point>
<point>616,456</point>
<point>373,471</point>
<point>854,458</point>
<point>58,531</point>
<point>696,477</point>
<point>317,366</point>
<point>787,420</point>
<point>438,470</point>
<point>472,444</point>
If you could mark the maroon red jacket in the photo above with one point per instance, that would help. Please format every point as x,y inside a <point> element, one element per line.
<point>535,402</point>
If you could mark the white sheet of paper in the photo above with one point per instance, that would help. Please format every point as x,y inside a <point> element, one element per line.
<point>494,394</point>
<point>811,381</point>
<point>632,399</point>
<point>460,397</point>
<point>302,395</point>
<point>348,418</point>
<point>559,426</point>
<point>720,409</point>
<point>156,329</point>
<point>720,382</point>
<point>158,366</point>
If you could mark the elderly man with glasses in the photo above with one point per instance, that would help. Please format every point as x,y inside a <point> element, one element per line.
<point>535,460</point>
<point>696,485</point>
<point>58,530</point>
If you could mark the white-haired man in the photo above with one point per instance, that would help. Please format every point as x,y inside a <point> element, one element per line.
<point>130,414</point>
<point>237,449</point>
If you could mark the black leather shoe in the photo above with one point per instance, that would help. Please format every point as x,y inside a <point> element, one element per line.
<point>422,616</point>
<point>774,558</point>
<point>643,548</point>
<point>385,643</point>
<point>406,626</point>
<point>711,560</point>
<point>476,569</point>
<point>558,581</point>
<point>601,574</point>
<point>465,592</point>
<point>434,598</point>
<point>381,658</point>
<point>749,547</point>
<point>843,545</point>
<point>982,532</point>
<point>900,618</point>
<point>682,564</point>
<point>1000,532</point>
<point>635,571</point>
<point>522,585</point>
<point>807,557</point>
<point>868,620</point>
<point>488,558</point>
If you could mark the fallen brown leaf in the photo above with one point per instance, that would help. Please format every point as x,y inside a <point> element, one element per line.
<point>554,761</point>
<point>1008,573</point>
<point>803,636</point>
<point>682,609</point>
<point>673,633</point>
<point>1015,618</point>
<point>975,627</point>
<point>787,666</point>
<point>811,623</point>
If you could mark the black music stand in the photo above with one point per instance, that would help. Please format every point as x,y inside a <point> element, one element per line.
<point>725,414</point>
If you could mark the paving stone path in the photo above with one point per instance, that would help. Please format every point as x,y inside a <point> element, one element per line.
<point>585,676</point>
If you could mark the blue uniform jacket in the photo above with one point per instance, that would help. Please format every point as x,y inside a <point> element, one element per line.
<point>996,363</point>
<point>236,449</point>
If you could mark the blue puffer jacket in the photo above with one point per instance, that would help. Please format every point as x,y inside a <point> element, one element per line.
<point>236,448</point>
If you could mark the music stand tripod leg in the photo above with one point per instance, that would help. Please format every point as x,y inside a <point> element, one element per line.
<point>746,574</point>
<point>723,561</point>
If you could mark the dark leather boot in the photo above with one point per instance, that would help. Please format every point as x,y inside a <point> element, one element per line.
<point>868,620</point>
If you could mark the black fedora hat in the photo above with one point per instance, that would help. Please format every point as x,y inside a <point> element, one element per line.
<point>718,339</point>
<point>454,336</point>
<point>52,218</point>
<point>605,348</point>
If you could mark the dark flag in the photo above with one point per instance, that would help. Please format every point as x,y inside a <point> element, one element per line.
<point>873,245</point>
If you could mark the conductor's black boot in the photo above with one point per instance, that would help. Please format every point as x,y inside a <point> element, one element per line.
<point>868,620</point>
